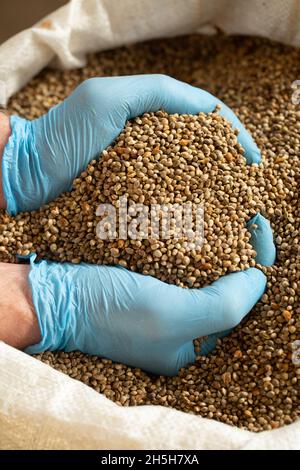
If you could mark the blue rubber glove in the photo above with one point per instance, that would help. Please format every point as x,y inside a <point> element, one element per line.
<point>43,156</point>
<point>136,319</point>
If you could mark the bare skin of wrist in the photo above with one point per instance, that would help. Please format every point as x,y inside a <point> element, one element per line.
<point>18,321</point>
<point>5,131</point>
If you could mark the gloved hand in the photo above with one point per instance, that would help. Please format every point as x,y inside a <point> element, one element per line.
<point>42,157</point>
<point>137,319</point>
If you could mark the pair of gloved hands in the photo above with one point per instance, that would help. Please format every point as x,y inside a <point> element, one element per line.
<point>110,311</point>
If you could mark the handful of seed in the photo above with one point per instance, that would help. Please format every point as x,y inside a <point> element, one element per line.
<point>169,198</point>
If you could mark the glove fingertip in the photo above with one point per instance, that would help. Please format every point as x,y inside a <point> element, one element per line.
<point>252,153</point>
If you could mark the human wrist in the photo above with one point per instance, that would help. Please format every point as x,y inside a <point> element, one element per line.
<point>5,131</point>
<point>19,325</point>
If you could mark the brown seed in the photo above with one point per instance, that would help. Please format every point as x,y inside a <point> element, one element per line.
<point>287,315</point>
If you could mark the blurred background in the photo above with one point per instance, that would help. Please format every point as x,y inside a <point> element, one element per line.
<point>16,15</point>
